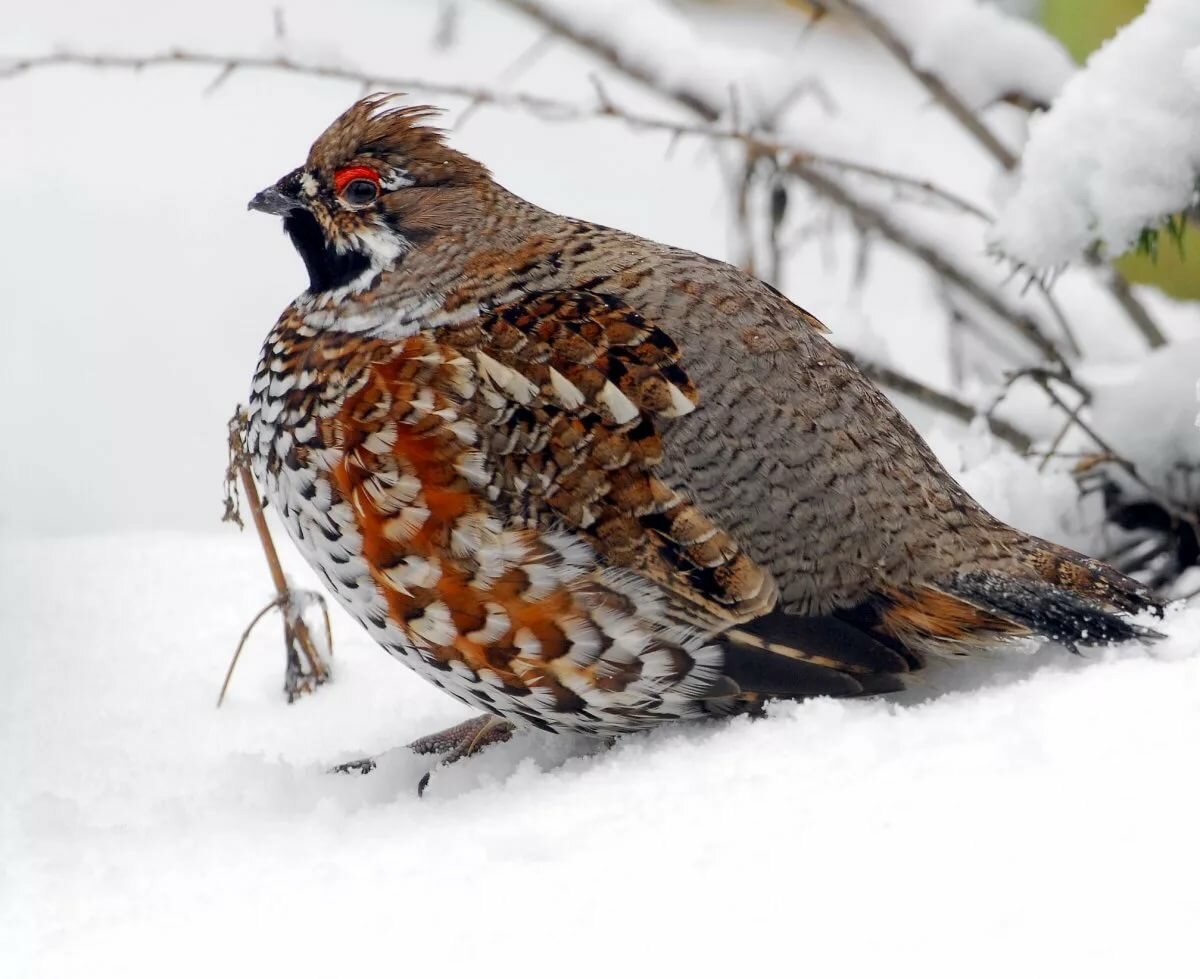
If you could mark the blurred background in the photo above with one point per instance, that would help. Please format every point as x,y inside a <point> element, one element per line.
<point>136,288</point>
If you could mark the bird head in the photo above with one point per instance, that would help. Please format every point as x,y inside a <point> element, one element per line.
<point>377,184</point>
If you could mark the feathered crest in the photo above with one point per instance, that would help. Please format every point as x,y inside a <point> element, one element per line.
<point>381,126</point>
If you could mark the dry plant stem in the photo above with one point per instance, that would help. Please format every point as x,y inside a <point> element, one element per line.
<point>295,629</point>
<point>237,653</point>
<point>296,635</point>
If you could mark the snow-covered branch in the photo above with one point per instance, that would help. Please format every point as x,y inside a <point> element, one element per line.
<point>967,55</point>
<point>690,83</point>
<point>1119,151</point>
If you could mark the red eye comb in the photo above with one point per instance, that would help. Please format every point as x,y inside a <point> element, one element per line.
<point>343,177</point>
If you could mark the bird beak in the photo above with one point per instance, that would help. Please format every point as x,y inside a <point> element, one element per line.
<point>274,200</point>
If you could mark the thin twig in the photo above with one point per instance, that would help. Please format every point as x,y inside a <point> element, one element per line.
<point>938,90</point>
<point>296,634</point>
<point>539,106</point>
<point>868,215</point>
<point>962,113</point>
<point>1118,287</point>
<point>1174,507</point>
<point>1064,324</point>
<point>940,401</point>
<point>272,604</point>
<point>679,91</point>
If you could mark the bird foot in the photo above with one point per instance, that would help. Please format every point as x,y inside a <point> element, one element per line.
<point>453,744</point>
<point>360,766</point>
<point>460,741</point>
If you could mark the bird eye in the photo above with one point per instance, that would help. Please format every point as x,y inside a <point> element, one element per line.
<point>356,186</point>
<point>359,192</point>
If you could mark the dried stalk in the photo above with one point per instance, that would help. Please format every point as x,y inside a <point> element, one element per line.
<point>298,640</point>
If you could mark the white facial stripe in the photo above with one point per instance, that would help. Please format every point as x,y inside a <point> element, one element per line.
<point>308,184</point>
<point>396,179</point>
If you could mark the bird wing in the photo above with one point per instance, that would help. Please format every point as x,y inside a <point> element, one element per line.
<point>578,394</point>
<point>497,478</point>
<point>515,617</point>
<point>576,389</point>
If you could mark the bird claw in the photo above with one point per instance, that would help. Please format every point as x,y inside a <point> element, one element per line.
<point>453,744</point>
<point>360,766</point>
<point>460,741</point>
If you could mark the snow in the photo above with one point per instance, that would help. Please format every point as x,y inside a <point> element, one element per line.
<point>1119,151</point>
<point>1148,412</point>
<point>982,53</point>
<point>653,38</point>
<point>1034,817</point>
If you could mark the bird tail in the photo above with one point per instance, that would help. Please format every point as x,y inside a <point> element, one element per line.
<point>1051,591</point>
<point>1047,591</point>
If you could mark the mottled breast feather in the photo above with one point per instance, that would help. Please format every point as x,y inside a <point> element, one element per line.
<point>413,475</point>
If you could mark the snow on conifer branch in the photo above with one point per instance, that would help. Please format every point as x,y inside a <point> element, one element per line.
<point>1119,151</point>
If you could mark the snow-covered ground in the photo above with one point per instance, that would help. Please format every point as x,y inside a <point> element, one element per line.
<point>1041,824</point>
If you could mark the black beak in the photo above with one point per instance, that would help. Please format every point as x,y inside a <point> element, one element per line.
<point>276,199</point>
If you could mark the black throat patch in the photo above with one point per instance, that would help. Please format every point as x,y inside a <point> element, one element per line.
<point>326,268</point>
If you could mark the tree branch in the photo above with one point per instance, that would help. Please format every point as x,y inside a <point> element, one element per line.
<point>940,92</point>
<point>1118,287</point>
<point>1006,158</point>
<point>865,213</point>
<point>556,110</point>
<point>947,404</point>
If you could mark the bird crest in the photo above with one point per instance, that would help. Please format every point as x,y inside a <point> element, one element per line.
<point>382,127</point>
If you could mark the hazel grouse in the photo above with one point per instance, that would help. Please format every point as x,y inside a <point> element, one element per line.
<point>587,482</point>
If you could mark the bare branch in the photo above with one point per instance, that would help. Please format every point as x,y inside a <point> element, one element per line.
<point>864,213</point>
<point>940,401</point>
<point>1006,158</point>
<point>1172,506</point>
<point>681,93</point>
<point>941,93</point>
<point>1118,287</point>
<point>868,215</point>
<point>540,106</point>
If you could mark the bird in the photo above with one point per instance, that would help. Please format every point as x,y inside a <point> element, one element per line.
<point>589,483</point>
